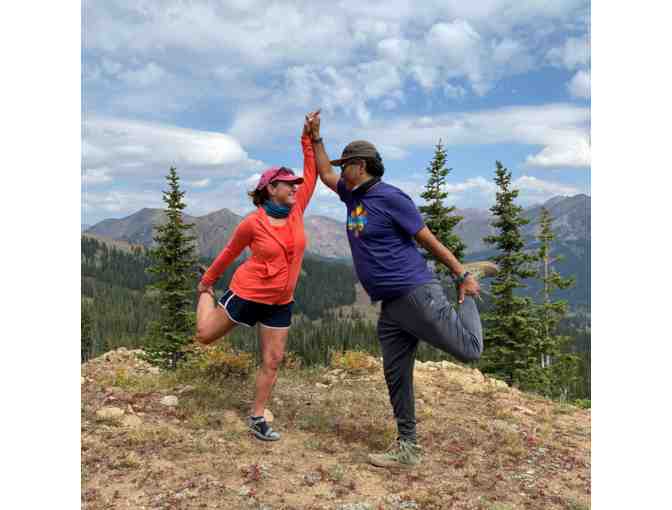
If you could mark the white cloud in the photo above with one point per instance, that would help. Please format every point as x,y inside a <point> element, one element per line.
<point>203,183</point>
<point>117,203</point>
<point>394,50</point>
<point>123,145</point>
<point>573,151</point>
<point>146,76</point>
<point>348,90</point>
<point>453,41</point>
<point>480,192</point>
<point>562,130</point>
<point>360,52</point>
<point>96,175</point>
<point>573,54</point>
<point>359,61</point>
<point>393,152</point>
<point>528,184</point>
<point>477,184</point>
<point>253,179</point>
<point>579,85</point>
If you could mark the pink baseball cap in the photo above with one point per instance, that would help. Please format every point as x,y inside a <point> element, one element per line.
<point>278,173</point>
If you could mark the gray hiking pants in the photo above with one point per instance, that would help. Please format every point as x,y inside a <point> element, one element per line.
<point>423,314</point>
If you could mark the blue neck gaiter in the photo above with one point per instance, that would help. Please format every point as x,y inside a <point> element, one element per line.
<point>276,211</point>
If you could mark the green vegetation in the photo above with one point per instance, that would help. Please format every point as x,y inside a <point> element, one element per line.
<point>542,347</point>
<point>174,266</point>
<point>511,328</point>
<point>437,216</point>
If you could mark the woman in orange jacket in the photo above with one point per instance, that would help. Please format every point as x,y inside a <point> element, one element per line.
<point>262,288</point>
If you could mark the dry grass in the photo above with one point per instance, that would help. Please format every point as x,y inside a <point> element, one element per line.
<point>486,446</point>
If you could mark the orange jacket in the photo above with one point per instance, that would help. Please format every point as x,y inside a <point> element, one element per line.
<point>268,276</point>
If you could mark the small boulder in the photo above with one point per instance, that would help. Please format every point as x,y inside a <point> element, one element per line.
<point>109,413</point>
<point>169,400</point>
<point>498,383</point>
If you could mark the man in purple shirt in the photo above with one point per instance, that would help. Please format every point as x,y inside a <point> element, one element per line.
<point>383,226</point>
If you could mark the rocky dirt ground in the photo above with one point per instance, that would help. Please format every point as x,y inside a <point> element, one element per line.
<point>155,440</point>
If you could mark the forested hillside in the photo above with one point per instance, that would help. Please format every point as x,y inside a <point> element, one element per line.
<point>575,262</point>
<point>119,304</point>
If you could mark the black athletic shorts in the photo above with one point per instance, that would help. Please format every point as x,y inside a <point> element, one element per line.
<point>248,313</point>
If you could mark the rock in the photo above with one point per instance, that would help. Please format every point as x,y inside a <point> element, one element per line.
<point>525,410</point>
<point>432,368</point>
<point>321,386</point>
<point>169,400</point>
<point>268,415</point>
<point>109,413</point>
<point>498,383</point>
<point>131,421</point>
<point>153,370</point>
<point>185,389</point>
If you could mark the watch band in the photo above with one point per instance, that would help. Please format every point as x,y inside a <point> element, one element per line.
<point>459,279</point>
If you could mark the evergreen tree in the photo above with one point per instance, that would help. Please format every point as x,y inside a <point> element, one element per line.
<point>512,328</point>
<point>87,333</point>
<point>557,369</point>
<point>437,216</point>
<point>173,264</point>
<point>551,313</point>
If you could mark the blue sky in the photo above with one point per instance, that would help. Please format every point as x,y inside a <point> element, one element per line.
<point>219,90</point>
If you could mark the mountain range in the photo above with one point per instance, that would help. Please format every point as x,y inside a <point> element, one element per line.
<point>327,237</point>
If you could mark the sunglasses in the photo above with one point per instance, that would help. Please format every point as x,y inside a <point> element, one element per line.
<point>280,171</point>
<point>345,165</point>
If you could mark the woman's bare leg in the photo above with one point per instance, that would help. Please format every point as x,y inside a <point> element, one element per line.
<point>273,341</point>
<point>212,321</point>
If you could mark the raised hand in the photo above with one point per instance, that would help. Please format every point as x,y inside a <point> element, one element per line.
<point>313,123</point>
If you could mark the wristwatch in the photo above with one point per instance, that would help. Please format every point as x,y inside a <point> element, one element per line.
<point>459,279</point>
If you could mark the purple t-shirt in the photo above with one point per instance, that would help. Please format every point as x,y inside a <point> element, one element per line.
<point>381,227</point>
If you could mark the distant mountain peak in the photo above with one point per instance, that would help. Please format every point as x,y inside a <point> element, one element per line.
<point>327,236</point>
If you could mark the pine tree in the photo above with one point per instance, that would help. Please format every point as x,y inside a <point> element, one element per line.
<point>551,312</point>
<point>557,369</point>
<point>511,328</point>
<point>87,334</point>
<point>173,265</point>
<point>437,216</point>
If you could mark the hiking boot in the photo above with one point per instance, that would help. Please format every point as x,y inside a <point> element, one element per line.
<point>402,454</point>
<point>261,429</point>
<point>481,269</point>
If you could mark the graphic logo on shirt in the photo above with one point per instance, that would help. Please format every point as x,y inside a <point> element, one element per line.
<point>357,220</point>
